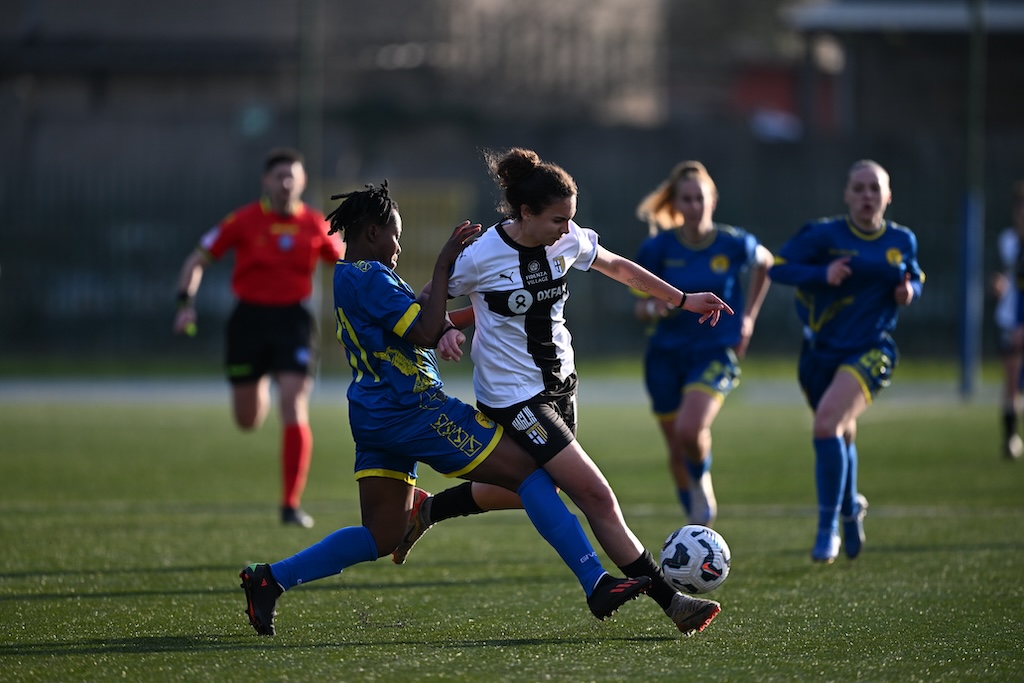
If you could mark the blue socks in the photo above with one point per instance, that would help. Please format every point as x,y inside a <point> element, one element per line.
<point>354,544</point>
<point>341,549</point>
<point>696,470</point>
<point>830,469</point>
<point>560,528</point>
<point>684,499</point>
<point>850,492</point>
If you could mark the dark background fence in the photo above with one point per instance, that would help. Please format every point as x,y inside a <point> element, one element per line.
<point>125,135</point>
<point>90,256</point>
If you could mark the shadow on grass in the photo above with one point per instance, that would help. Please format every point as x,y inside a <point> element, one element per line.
<point>955,549</point>
<point>138,645</point>
<point>116,571</point>
<point>234,642</point>
<point>230,584</point>
<point>234,589</point>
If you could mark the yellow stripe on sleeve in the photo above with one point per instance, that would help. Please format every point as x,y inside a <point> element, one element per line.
<point>406,321</point>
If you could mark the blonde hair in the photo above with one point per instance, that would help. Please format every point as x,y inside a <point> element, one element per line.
<point>658,208</point>
<point>873,165</point>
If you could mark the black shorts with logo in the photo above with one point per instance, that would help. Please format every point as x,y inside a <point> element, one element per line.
<point>543,425</point>
<point>269,339</point>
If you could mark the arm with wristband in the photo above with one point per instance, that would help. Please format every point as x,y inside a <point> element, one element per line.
<point>188,284</point>
<point>706,304</point>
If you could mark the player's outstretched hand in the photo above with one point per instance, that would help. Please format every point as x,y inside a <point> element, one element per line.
<point>463,234</point>
<point>708,305</point>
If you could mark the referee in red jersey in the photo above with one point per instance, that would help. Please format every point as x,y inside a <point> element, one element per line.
<point>277,241</point>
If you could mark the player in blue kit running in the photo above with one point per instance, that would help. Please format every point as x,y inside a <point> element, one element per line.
<point>1004,286</point>
<point>852,274</point>
<point>690,368</point>
<point>399,414</point>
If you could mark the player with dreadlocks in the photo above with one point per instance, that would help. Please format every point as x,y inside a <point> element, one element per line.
<point>399,414</point>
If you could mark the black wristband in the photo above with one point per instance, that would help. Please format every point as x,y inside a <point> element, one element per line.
<point>682,301</point>
<point>183,299</point>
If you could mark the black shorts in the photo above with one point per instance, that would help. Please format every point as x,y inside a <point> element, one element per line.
<point>543,425</point>
<point>266,339</point>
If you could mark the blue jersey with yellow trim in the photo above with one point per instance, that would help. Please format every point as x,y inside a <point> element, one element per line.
<point>713,265</point>
<point>863,308</point>
<point>374,309</point>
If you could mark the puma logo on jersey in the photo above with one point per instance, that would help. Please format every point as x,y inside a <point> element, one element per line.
<point>507,276</point>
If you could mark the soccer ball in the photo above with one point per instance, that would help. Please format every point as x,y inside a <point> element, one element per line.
<point>695,559</point>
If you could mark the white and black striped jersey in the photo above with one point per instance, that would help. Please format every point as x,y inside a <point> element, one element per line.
<point>521,345</point>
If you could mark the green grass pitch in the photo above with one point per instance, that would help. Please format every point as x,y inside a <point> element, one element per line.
<point>124,527</point>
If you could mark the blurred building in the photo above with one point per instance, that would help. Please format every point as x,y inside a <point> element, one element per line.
<point>902,66</point>
<point>127,129</point>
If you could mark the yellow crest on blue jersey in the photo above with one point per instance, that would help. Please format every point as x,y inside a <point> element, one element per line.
<point>894,256</point>
<point>484,420</point>
<point>719,264</point>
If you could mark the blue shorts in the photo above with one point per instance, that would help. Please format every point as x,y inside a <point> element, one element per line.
<point>450,436</point>
<point>871,366</point>
<point>670,373</point>
<point>1004,340</point>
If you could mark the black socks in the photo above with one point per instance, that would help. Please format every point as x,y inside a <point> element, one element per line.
<point>454,502</point>
<point>661,590</point>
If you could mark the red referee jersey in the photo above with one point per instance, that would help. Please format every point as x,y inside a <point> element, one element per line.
<point>275,254</point>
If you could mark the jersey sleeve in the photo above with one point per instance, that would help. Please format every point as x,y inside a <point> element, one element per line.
<point>333,249</point>
<point>208,238</point>
<point>463,279</point>
<point>331,246</point>
<point>588,240</point>
<point>750,245</point>
<point>913,267</point>
<point>394,306</point>
<point>222,237</point>
<point>797,261</point>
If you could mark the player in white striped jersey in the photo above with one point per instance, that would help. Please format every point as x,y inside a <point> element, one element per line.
<point>524,364</point>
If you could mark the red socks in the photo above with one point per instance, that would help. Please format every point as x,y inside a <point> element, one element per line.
<point>296,452</point>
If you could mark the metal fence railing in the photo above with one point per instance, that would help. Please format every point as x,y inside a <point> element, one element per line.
<point>89,258</point>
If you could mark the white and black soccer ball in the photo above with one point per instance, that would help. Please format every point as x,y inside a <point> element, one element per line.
<point>695,559</point>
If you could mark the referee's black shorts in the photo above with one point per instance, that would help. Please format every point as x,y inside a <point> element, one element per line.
<point>269,339</point>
